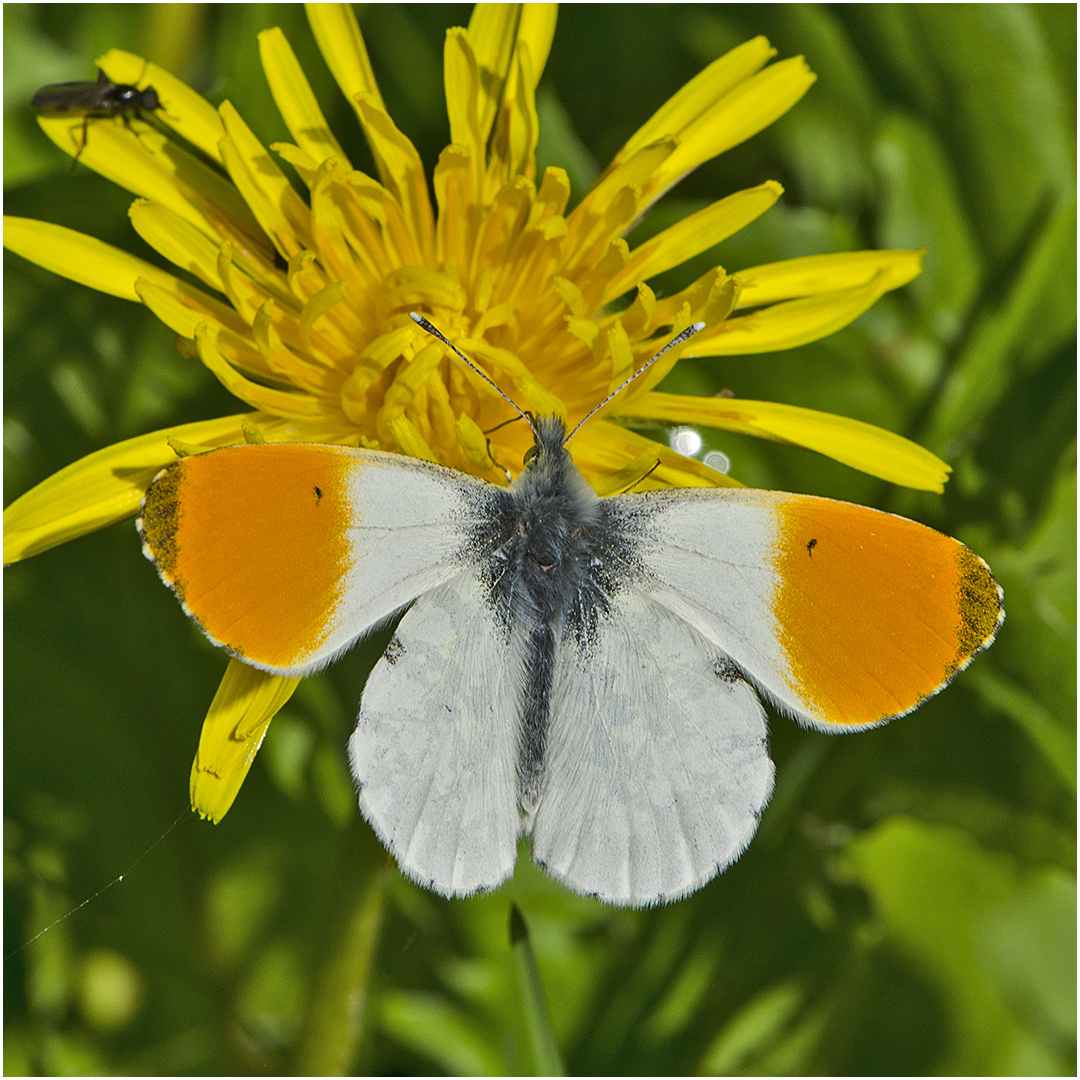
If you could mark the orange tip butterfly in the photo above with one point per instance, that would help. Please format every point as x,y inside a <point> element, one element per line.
<point>582,671</point>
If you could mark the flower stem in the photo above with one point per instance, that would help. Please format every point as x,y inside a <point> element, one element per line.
<point>334,1025</point>
<point>542,1045</point>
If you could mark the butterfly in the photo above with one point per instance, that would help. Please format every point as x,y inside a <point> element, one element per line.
<point>586,672</point>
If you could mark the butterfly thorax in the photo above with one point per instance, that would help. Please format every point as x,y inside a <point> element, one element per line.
<point>552,511</point>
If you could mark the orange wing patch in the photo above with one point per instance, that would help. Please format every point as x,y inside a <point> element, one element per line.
<point>254,543</point>
<point>876,613</point>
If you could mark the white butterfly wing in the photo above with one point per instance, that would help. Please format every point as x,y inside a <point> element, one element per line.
<point>435,748</point>
<point>657,764</point>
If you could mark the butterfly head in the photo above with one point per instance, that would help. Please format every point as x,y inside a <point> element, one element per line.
<point>549,472</point>
<point>550,435</point>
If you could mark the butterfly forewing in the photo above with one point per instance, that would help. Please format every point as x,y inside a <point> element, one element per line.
<point>286,553</point>
<point>845,616</point>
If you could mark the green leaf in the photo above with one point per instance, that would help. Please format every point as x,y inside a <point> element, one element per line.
<point>985,74</point>
<point>1037,644</point>
<point>996,347</point>
<point>440,1031</point>
<point>921,207</point>
<point>756,1027</point>
<point>998,940</point>
<point>1057,743</point>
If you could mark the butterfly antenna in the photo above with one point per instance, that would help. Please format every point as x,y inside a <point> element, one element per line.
<point>689,332</point>
<point>435,332</point>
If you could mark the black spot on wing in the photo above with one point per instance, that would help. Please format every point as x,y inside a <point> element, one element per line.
<point>394,651</point>
<point>726,671</point>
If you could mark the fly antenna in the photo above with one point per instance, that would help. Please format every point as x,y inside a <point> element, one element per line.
<point>689,332</point>
<point>435,332</point>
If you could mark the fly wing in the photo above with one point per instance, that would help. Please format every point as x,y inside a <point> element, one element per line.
<point>286,553</point>
<point>63,97</point>
<point>657,764</point>
<point>435,749</point>
<point>845,616</point>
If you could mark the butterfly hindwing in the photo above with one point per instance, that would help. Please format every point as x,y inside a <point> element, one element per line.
<point>435,748</point>
<point>657,763</point>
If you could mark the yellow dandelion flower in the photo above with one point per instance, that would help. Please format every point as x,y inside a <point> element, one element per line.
<point>304,314</point>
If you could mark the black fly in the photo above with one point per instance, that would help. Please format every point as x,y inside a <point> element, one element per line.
<point>96,99</point>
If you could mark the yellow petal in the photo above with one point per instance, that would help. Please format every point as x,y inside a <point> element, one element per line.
<point>620,481</point>
<point>498,35</point>
<point>281,213</point>
<point>145,162</point>
<point>711,299</point>
<point>786,325</point>
<point>695,234</point>
<point>746,110</point>
<point>80,258</point>
<point>182,308</point>
<point>249,284</point>
<point>178,240</point>
<point>865,447</point>
<point>283,403</point>
<point>474,442</point>
<point>698,95</point>
<point>462,86</point>
<point>634,172</point>
<point>492,34</point>
<point>187,113</point>
<point>403,174</point>
<point>295,100</point>
<point>246,701</point>
<point>621,353</point>
<point>536,29</point>
<point>542,402</point>
<point>299,159</point>
<point>409,440</point>
<point>284,365</point>
<point>826,273</point>
<point>342,46</point>
<point>318,306</point>
<point>455,185</point>
<point>101,488</point>
<point>513,150</point>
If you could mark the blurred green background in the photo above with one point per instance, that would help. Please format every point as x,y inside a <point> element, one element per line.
<point>909,903</point>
